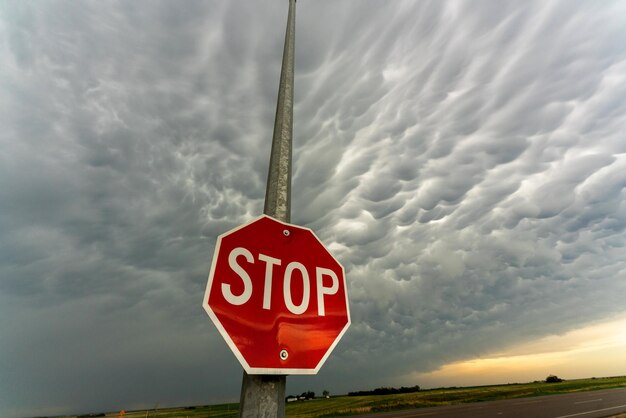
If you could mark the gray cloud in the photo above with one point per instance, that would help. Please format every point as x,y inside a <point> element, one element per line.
<point>464,161</point>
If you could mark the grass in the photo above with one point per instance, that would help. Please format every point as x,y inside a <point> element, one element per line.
<point>208,411</point>
<point>351,405</point>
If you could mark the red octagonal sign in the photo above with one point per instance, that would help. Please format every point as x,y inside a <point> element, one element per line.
<point>277,296</point>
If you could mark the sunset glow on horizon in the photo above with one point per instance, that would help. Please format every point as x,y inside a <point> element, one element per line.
<point>593,351</point>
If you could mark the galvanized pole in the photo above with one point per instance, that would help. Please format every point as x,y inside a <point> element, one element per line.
<point>264,395</point>
<point>278,193</point>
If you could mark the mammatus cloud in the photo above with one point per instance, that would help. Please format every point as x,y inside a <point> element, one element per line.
<point>488,225</point>
<point>464,161</point>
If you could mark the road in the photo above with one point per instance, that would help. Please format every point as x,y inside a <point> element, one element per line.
<point>597,404</point>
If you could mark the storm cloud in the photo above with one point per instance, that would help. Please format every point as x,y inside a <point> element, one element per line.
<point>465,161</point>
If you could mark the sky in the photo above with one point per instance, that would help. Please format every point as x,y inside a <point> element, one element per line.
<point>464,160</point>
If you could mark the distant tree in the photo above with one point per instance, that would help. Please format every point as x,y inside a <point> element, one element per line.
<point>325,393</point>
<point>385,391</point>
<point>308,395</point>
<point>553,379</point>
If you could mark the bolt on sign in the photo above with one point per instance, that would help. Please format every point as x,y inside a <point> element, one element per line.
<point>277,296</point>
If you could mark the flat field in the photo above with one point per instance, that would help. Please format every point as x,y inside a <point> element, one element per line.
<point>352,405</point>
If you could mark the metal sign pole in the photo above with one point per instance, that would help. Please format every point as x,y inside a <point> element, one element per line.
<point>278,193</point>
<point>264,395</point>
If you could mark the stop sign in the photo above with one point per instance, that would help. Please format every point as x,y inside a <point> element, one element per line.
<point>277,296</point>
